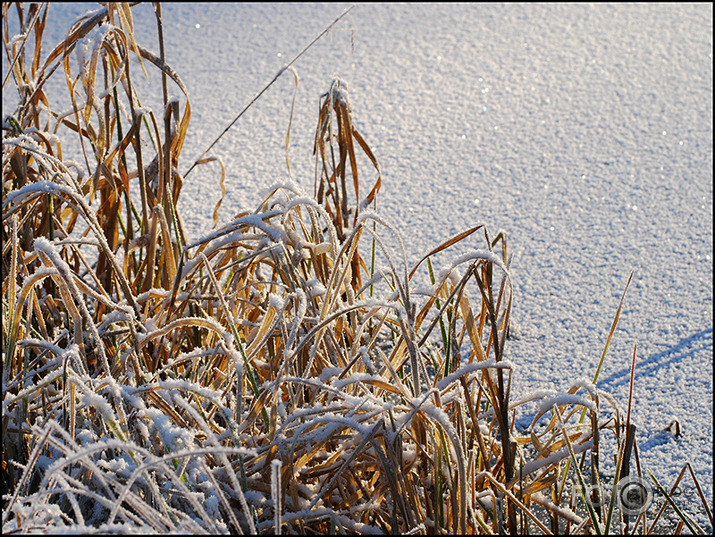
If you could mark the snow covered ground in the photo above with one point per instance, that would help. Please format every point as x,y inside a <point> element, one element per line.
<point>583,131</point>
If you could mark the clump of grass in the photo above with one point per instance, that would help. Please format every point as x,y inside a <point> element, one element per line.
<point>267,377</point>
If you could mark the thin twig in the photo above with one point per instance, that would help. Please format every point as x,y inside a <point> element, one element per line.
<point>280,72</point>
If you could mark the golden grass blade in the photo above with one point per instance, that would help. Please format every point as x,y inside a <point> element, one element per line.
<point>613,329</point>
<point>125,15</point>
<point>38,34</point>
<point>348,140</point>
<point>444,246</point>
<point>148,282</point>
<point>367,150</point>
<point>168,255</point>
<point>290,119</point>
<point>80,29</point>
<point>221,184</point>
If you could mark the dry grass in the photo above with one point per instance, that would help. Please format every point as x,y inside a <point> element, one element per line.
<point>268,376</point>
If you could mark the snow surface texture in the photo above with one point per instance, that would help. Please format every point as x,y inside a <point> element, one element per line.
<point>583,131</point>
